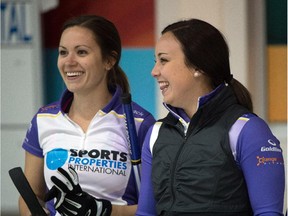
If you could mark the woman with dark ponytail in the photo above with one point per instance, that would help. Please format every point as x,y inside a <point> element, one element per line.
<point>77,147</point>
<point>211,155</point>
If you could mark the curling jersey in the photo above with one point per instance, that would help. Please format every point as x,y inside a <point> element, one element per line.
<point>101,156</point>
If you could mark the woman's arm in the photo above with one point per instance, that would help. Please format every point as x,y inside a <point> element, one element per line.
<point>146,202</point>
<point>34,173</point>
<point>123,210</point>
<point>261,160</point>
<point>146,165</point>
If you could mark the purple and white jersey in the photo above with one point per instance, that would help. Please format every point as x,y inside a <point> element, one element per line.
<point>101,156</point>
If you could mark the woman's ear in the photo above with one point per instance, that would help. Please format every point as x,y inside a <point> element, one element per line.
<point>111,60</point>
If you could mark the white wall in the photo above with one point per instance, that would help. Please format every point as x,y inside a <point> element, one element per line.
<point>21,87</point>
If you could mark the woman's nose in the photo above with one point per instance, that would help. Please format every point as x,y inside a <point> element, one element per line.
<point>71,60</point>
<point>155,72</point>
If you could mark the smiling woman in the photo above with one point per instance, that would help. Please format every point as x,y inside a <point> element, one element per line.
<point>65,137</point>
<point>203,158</point>
<point>137,44</point>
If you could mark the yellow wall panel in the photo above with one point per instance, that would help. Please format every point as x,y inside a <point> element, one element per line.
<point>277,83</point>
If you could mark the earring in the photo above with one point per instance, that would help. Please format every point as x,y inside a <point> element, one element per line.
<point>196,74</point>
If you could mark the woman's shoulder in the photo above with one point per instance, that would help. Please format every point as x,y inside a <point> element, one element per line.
<point>256,132</point>
<point>52,108</point>
<point>140,112</point>
<point>253,122</point>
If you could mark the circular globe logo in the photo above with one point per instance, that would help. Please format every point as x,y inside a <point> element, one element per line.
<point>56,158</point>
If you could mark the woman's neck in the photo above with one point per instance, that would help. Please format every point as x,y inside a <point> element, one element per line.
<point>84,107</point>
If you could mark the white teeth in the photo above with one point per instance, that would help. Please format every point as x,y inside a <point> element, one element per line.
<point>163,85</point>
<point>74,73</point>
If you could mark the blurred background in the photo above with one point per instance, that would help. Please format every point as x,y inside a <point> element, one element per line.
<point>256,31</point>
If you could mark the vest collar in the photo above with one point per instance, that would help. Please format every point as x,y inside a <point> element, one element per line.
<point>180,114</point>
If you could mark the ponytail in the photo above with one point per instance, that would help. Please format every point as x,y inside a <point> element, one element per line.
<point>117,77</point>
<point>242,94</point>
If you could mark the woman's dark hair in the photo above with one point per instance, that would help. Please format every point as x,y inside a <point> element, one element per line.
<point>205,49</point>
<point>107,37</point>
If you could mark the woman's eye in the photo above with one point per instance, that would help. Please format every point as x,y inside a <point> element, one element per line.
<point>163,60</point>
<point>62,52</point>
<point>82,52</point>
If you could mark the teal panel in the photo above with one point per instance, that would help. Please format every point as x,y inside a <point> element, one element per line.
<point>137,64</point>
<point>53,83</point>
<point>276,21</point>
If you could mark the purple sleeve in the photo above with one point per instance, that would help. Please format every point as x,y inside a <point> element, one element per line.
<point>31,142</point>
<point>146,202</point>
<point>146,124</point>
<point>260,157</point>
<point>130,190</point>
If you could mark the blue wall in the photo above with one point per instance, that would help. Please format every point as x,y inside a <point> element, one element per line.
<point>138,63</point>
